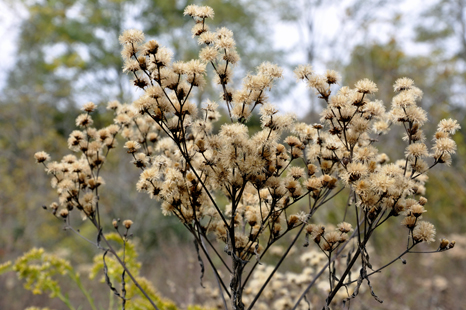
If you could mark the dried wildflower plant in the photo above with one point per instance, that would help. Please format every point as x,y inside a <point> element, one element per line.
<point>273,187</point>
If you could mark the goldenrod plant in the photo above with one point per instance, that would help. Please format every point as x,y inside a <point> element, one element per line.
<point>41,270</point>
<point>238,194</point>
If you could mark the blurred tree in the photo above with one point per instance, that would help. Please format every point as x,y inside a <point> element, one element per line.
<point>442,29</point>
<point>68,48</point>
<point>385,63</point>
<point>329,30</point>
<point>435,59</point>
<point>68,53</point>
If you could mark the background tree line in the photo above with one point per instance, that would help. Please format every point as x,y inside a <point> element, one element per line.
<point>67,53</point>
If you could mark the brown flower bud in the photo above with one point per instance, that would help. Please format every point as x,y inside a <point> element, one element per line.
<point>326,179</point>
<point>127,223</point>
<point>54,206</point>
<point>444,244</point>
<point>422,201</point>
<point>311,169</point>
<point>41,157</point>
<point>201,145</point>
<point>142,62</point>
<point>64,213</point>
<point>280,149</point>
<point>292,221</point>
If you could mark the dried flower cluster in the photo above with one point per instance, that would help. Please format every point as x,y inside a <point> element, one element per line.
<point>285,287</point>
<point>272,186</point>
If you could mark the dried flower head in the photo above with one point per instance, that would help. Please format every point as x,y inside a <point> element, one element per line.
<point>444,145</point>
<point>404,100</point>
<point>448,125</point>
<point>303,71</point>
<point>417,150</point>
<point>191,10</point>
<point>132,146</point>
<point>84,120</point>
<point>344,227</point>
<point>64,213</point>
<point>409,222</point>
<point>208,53</point>
<point>416,210</point>
<point>443,244</point>
<point>89,107</point>
<point>127,223</point>
<point>113,105</point>
<point>403,84</point>
<point>131,36</point>
<point>424,231</point>
<point>332,76</point>
<point>205,12</point>
<point>366,86</point>
<point>131,66</point>
<point>41,157</point>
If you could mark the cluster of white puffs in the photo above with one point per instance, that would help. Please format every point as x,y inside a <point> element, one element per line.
<point>189,168</point>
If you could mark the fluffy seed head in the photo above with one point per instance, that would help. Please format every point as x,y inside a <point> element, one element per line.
<point>131,36</point>
<point>445,145</point>
<point>344,227</point>
<point>89,107</point>
<point>332,76</point>
<point>132,146</point>
<point>424,231</point>
<point>64,213</point>
<point>127,223</point>
<point>84,120</point>
<point>41,157</point>
<point>448,125</point>
<point>403,84</point>
<point>417,150</point>
<point>303,71</point>
<point>366,86</point>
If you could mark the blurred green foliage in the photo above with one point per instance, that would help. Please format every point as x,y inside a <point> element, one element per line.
<point>42,271</point>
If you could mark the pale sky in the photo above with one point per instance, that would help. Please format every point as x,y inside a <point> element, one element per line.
<point>9,23</point>
<point>328,21</point>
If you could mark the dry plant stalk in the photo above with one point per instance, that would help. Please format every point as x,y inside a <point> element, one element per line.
<point>273,187</point>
